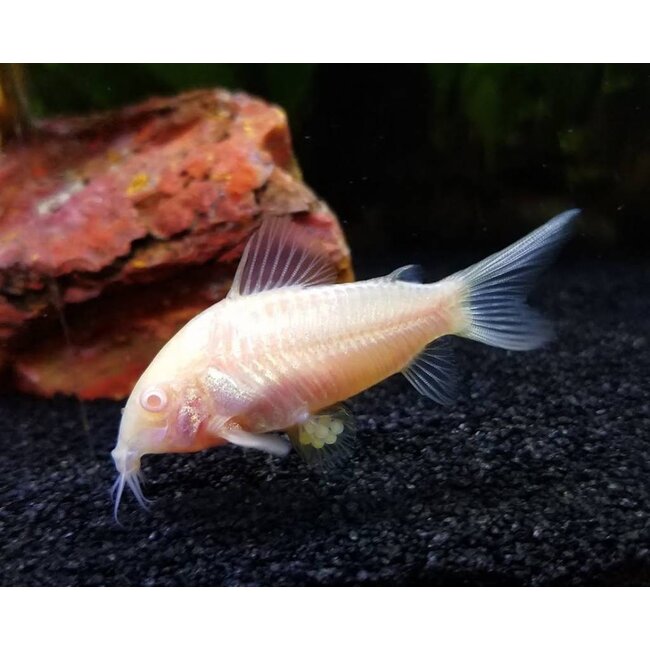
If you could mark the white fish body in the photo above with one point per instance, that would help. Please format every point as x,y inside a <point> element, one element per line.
<point>286,344</point>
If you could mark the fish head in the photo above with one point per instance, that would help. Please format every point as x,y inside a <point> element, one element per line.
<point>162,414</point>
<point>146,418</point>
<point>160,417</point>
<point>143,428</point>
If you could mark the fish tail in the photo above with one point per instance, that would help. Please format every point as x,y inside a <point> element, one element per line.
<point>493,292</point>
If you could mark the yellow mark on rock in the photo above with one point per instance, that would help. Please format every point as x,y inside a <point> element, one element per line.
<point>138,183</point>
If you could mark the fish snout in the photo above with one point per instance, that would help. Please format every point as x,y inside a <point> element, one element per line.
<point>127,461</point>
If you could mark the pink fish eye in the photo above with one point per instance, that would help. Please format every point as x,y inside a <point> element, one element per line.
<point>153,399</point>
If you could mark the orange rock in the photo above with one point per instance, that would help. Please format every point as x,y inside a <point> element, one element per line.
<point>133,222</point>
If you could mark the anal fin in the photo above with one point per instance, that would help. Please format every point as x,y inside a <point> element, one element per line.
<point>326,439</point>
<point>433,372</point>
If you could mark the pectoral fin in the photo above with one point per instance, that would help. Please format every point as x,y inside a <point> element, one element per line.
<point>325,439</point>
<point>270,442</point>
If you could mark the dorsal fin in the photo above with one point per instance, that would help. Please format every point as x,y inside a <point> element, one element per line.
<point>433,372</point>
<point>281,254</point>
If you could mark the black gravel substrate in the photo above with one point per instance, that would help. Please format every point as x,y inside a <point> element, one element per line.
<point>539,475</point>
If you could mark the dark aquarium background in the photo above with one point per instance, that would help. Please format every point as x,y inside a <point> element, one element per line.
<point>539,474</point>
<point>431,157</point>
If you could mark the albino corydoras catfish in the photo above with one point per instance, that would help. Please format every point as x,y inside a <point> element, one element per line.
<point>287,346</point>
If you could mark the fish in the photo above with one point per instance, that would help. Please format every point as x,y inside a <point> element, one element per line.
<point>271,366</point>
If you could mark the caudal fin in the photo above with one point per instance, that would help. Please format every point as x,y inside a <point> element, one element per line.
<point>494,291</point>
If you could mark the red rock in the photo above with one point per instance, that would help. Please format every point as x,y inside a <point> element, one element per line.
<point>134,221</point>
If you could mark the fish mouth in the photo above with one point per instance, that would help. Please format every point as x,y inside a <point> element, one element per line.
<point>127,455</point>
<point>127,461</point>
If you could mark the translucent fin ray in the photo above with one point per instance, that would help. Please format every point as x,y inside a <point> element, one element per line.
<point>409,273</point>
<point>326,439</point>
<point>495,290</point>
<point>433,372</point>
<point>281,254</point>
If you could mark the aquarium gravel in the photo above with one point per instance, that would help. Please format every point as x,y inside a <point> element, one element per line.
<point>539,474</point>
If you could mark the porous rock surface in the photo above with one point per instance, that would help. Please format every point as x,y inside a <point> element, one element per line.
<point>130,223</point>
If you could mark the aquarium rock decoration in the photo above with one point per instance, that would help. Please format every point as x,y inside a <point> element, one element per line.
<point>117,228</point>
